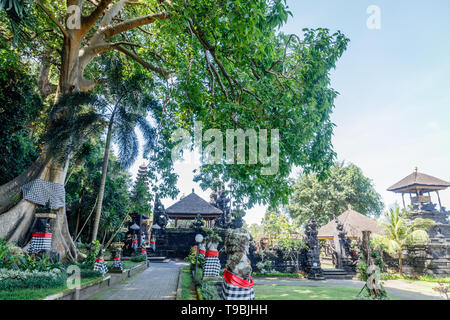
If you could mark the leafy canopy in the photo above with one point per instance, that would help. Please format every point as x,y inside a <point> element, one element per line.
<point>224,63</point>
<point>401,231</point>
<point>346,185</point>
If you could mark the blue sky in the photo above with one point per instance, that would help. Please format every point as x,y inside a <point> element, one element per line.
<point>393,111</point>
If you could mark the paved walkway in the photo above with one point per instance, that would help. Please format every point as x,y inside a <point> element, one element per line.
<point>391,287</point>
<point>157,282</point>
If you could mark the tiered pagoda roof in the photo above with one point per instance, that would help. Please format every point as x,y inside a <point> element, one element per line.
<point>419,181</point>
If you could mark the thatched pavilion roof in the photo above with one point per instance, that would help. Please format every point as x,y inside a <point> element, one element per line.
<point>191,205</point>
<point>354,223</point>
<point>417,180</point>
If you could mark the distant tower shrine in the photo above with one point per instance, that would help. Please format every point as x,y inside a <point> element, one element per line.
<point>419,186</point>
<point>435,257</point>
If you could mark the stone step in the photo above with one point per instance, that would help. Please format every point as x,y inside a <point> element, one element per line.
<point>158,259</point>
<point>338,274</point>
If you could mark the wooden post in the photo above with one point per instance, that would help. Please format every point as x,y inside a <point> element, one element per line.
<point>176,222</point>
<point>439,199</point>
<point>403,198</point>
<point>366,245</point>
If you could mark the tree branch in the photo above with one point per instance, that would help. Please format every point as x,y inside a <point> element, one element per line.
<point>89,21</point>
<point>144,63</point>
<point>48,13</point>
<point>112,30</point>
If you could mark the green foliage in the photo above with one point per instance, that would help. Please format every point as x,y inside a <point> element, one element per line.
<point>71,120</point>
<point>191,259</point>
<point>37,263</point>
<point>345,185</point>
<point>89,273</point>
<point>208,290</point>
<point>212,236</point>
<point>82,189</point>
<point>18,14</point>
<point>443,290</point>
<point>225,64</point>
<point>187,285</point>
<point>12,279</point>
<point>401,232</point>
<point>279,274</point>
<point>138,258</point>
<point>95,248</point>
<point>20,105</point>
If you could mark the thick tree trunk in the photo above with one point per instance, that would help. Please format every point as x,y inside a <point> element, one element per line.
<point>15,224</point>
<point>10,191</point>
<point>400,262</point>
<point>101,191</point>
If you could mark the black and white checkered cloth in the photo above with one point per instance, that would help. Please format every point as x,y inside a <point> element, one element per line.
<point>117,264</point>
<point>232,292</point>
<point>101,266</point>
<point>40,192</point>
<point>39,244</point>
<point>211,267</point>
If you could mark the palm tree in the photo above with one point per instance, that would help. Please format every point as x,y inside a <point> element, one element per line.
<point>401,232</point>
<point>129,104</point>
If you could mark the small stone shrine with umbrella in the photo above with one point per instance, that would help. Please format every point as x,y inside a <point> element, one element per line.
<point>435,257</point>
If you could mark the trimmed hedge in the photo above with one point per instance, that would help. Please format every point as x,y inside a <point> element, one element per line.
<point>208,291</point>
<point>12,279</point>
<point>138,258</point>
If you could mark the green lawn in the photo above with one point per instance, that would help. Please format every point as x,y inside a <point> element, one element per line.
<point>288,292</point>
<point>126,264</point>
<point>36,294</point>
<point>187,285</point>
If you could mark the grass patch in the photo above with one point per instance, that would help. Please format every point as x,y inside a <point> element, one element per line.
<point>126,264</point>
<point>278,274</point>
<point>426,278</point>
<point>36,294</point>
<point>187,285</point>
<point>284,292</point>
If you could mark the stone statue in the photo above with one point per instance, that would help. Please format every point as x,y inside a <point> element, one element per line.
<point>313,267</point>
<point>198,222</point>
<point>100,262</point>
<point>237,283</point>
<point>160,216</point>
<point>238,221</point>
<point>220,201</point>
<point>117,263</point>
<point>212,263</point>
<point>41,237</point>
<point>202,250</point>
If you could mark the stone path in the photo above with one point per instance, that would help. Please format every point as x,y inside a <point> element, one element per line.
<point>392,288</point>
<point>158,282</point>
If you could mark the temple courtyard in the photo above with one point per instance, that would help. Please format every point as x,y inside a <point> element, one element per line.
<point>163,281</point>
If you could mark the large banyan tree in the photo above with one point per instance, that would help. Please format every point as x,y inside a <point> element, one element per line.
<point>222,62</point>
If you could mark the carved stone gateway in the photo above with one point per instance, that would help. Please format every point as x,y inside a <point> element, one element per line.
<point>313,268</point>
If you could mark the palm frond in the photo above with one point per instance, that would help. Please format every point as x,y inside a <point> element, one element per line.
<point>149,134</point>
<point>128,144</point>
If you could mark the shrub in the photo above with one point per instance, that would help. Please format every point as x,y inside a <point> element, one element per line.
<point>191,259</point>
<point>92,256</point>
<point>12,279</point>
<point>138,258</point>
<point>208,290</point>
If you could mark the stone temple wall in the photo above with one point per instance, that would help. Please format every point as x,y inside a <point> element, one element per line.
<point>433,258</point>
